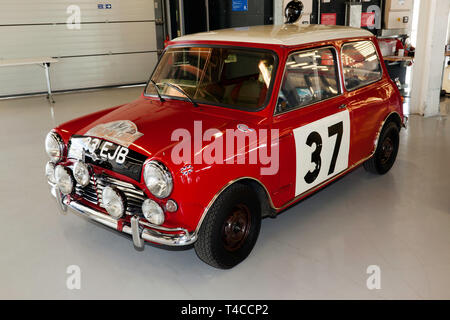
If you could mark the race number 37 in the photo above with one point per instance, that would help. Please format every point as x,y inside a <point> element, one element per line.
<point>322,149</point>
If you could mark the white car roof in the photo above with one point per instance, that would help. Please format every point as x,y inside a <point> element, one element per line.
<point>288,34</point>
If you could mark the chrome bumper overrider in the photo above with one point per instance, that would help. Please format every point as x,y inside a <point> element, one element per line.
<point>137,230</point>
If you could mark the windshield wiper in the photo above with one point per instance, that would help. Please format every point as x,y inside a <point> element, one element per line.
<point>179,89</point>
<point>157,90</point>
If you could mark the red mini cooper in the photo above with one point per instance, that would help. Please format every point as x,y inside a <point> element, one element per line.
<point>234,125</point>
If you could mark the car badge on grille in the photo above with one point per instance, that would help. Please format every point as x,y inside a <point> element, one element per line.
<point>122,132</point>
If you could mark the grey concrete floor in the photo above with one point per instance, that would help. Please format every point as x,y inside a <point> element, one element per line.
<point>320,248</point>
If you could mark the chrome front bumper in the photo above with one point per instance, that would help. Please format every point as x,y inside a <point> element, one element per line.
<point>139,229</point>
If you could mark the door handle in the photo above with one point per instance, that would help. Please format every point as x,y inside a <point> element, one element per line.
<point>342,106</point>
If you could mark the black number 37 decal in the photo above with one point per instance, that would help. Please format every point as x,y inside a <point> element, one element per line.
<point>315,138</point>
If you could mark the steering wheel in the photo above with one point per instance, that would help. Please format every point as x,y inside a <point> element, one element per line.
<point>193,71</point>
<point>206,94</point>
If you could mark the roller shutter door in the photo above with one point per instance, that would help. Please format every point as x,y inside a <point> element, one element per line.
<point>115,45</point>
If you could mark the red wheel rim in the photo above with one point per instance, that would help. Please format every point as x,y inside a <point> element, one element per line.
<point>236,228</point>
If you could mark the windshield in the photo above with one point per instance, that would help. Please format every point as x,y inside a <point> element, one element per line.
<point>238,78</point>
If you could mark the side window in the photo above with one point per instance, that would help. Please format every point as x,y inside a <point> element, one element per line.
<point>310,76</point>
<point>361,64</point>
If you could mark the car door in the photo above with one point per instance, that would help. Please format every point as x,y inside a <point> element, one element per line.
<point>313,120</point>
<point>367,95</point>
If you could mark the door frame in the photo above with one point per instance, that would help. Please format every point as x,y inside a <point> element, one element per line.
<point>286,184</point>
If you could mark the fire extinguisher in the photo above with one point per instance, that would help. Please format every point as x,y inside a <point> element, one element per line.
<point>166,42</point>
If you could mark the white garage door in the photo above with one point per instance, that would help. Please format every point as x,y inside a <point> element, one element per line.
<point>115,45</point>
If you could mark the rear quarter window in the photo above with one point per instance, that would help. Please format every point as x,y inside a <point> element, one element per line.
<point>361,65</point>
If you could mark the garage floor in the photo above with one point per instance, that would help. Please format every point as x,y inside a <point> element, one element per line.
<point>320,248</point>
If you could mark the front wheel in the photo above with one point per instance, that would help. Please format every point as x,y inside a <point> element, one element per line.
<point>387,150</point>
<point>230,229</point>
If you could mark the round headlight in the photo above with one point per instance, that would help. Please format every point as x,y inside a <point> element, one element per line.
<point>114,202</point>
<point>153,212</point>
<point>64,180</point>
<point>54,146</point>
<point>158,179</point>
<point>81,173</point>
<point>50,172</point>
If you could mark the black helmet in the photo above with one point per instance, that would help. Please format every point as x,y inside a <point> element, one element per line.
<point>293,11</point>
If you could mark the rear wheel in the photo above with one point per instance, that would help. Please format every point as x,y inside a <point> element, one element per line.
<point>387,150</point>
<point>230,229</point>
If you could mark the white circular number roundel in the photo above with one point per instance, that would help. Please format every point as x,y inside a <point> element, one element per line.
<point>322,149</point>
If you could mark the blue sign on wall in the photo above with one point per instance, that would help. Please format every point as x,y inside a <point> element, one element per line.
<point>104,6</point>
<point>239,5</point>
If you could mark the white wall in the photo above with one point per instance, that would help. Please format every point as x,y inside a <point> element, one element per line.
<point>278,12</point>
<point>112,47</point>
<point>429,60</point>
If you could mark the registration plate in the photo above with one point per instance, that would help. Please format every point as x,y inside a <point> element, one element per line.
<point>107,155</point>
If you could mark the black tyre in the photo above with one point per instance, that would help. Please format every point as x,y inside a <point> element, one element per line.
<point>386,152</point>
<point>230,228</point>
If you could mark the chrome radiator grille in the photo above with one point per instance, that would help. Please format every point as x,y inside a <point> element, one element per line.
<point>93,192</point>
<point>89,192</point>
